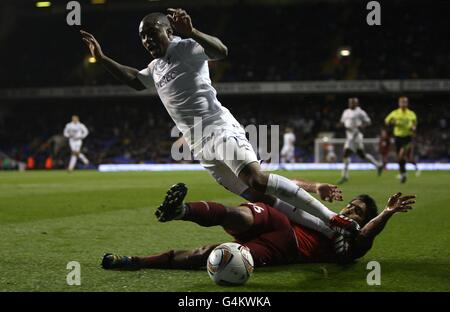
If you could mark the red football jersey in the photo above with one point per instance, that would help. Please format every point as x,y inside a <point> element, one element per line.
<point>314,246</point>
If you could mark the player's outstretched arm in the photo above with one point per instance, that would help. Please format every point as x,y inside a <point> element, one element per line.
<point>127,75</point>
<point>182,24</point>
<point>364,240</point>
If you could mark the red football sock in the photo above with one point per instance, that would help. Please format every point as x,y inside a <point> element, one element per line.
<point>161,261</point>
<point>205,213</point>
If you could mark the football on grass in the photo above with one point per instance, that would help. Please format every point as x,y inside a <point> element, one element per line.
<point>230,264</point>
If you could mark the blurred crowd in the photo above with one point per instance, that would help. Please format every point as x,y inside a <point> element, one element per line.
<point>266,43</point>
<point>139,131</point>
<point>295,41</point>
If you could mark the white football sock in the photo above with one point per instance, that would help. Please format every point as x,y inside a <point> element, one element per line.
<point>303,218</point>
<point>372,160</point>
<point>83,158</point>
<point>291,193</point>
<point>345,169</point>
<point>72,162</point>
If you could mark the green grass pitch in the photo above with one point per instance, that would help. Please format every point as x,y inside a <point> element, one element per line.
<point>50,218</point>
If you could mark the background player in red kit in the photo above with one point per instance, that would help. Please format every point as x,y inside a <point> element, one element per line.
<point>384,146</point>
<point>270,236</point>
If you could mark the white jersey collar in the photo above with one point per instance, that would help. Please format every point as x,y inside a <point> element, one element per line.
<point>173,42</point>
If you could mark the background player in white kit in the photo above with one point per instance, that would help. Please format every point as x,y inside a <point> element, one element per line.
<point>75,131</point>
<point>180,73</point>
<point>354,119</point>
<point>288,149</point>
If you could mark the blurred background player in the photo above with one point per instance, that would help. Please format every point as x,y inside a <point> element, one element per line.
<point>404,122</point>
<point>330,153</point>
<point>288,149</point>
<point>354,119</point>
<point>384,146</point>
<point>75,131</point>
<point>411,156</point>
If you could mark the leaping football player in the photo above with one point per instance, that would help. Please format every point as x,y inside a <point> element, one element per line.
<point>179,72</point>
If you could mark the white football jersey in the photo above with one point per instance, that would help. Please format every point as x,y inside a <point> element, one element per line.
<point>354,118</point>
<point>289,139</point>
<point>75,131</point>
<point>183,84</point>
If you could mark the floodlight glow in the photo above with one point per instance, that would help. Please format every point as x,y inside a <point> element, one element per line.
<point>43,4</point>
<point>344,52</point>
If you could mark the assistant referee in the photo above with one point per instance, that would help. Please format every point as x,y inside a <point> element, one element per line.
<point>404,122</point>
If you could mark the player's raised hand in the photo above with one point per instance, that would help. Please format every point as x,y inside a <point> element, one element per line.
<point>180,21</point>
<point>92,44</point>
<point>399,203</point>
<point>329,192</point>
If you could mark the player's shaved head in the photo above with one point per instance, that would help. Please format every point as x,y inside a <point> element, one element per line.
<point>156,18</point>
<point>156,33</point>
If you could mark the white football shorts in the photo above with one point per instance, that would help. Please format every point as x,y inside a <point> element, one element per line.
<point>287,153</point>
<point>75,145</point>
<point>224,154</point>
<point>354,142</point>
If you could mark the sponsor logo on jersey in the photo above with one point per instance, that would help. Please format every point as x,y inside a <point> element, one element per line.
<point>166,79</point>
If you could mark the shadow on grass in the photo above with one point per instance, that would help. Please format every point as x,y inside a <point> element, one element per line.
<point>403,275</point>
<point>396,275</point>
<point>299,277</point>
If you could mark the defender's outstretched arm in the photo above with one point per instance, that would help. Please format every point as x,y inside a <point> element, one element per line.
<point>364,240</point>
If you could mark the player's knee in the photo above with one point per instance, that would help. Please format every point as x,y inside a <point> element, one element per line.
<point>258,181</point>
<point>254,177</point>
<point>239,219</point>
<point>246,217</point>
<point>254,196</point>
